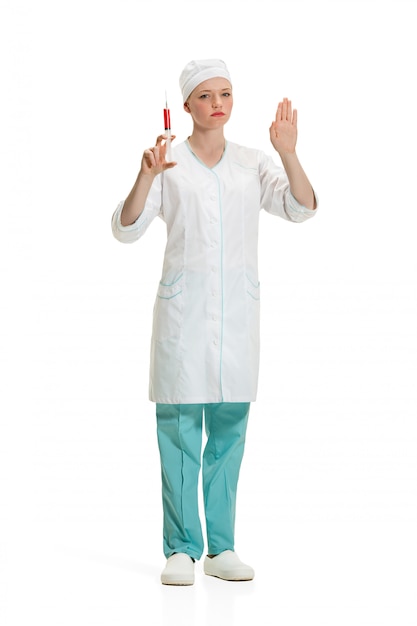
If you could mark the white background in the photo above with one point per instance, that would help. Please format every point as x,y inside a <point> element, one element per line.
<point>327,506</point>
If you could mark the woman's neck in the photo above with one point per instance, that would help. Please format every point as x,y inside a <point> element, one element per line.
<point>207,146</point>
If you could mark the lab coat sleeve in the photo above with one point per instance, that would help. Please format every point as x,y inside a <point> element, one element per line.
<point>276,197</point>
<point>153,208</point>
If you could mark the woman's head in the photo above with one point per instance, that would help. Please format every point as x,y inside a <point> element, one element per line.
<point>207,93</point>
<point>196,72</point>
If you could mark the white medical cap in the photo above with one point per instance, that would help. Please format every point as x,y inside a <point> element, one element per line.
<point>195,72</point>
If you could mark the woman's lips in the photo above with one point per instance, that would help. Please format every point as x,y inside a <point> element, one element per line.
<point>217,114</point>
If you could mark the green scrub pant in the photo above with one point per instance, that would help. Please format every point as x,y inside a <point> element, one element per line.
<point>179,430</point>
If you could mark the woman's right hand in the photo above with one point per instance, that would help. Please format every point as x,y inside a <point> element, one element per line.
<point>153,160</point>
<point>153,163</point>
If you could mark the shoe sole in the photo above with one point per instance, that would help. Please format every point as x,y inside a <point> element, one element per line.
<point>177,583</point>
<point>230,578</point>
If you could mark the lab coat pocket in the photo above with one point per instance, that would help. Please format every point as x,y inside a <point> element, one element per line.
<point>253,293</point>
<point>168,311</point>
<point>253,288</point>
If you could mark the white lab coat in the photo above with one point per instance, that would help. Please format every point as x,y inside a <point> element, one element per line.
<point>205,339</point>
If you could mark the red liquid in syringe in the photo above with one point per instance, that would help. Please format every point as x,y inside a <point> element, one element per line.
<point>167,126</point>
<point>167,119</point>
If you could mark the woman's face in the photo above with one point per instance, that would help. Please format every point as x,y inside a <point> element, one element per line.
<point>211,103</point>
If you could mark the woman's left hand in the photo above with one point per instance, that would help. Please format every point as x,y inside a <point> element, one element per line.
<point>283,131</point>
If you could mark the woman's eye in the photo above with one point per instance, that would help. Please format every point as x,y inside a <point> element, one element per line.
<point>226,93</point>
<point>204,95</point>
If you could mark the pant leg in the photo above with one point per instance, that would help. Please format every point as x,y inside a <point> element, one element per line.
<point>179,431</point>
<point>225,425</point>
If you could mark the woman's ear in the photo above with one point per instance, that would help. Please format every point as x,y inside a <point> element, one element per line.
<point>186,107</point>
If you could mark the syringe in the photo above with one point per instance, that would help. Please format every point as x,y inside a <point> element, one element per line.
<point>167,125</point>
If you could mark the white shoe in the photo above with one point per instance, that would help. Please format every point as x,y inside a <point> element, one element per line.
<point>179,570</point>
<point>228,566</point>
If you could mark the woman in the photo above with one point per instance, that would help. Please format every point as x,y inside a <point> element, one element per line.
<point>205,340</point>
